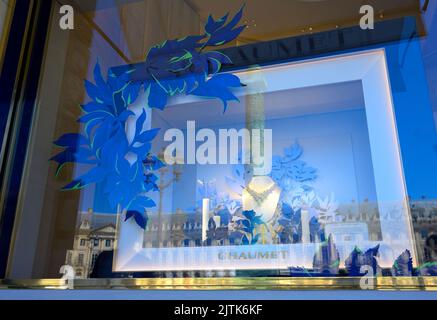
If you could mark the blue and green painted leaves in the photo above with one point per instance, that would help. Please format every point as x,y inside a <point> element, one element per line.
<point>326,260</point>
<point>403,265</point>
<point>248,227</point>
<point>289,225</point>
<point>290,167</point>
<point>125,168</point>
<point>358,258</point>
<point>219,32</point>
<point>182,66</point>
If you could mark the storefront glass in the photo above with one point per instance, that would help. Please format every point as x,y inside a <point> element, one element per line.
<point>244,148</point>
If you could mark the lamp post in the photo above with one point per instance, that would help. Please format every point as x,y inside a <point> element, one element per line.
<point>162,186</point>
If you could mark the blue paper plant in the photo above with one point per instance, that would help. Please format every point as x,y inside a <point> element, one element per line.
<point>183,66</point>
<point>326,260</point>
<point>358,258</point>
<point>289,225</point>
<point>289,172</point>
<point>125,167</point>
<point>246,228</point>
<point>403,265</point>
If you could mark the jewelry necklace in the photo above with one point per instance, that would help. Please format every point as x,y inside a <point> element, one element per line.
<point>260,197</point>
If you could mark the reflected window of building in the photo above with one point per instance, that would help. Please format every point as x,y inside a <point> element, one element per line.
<point>80,259</point>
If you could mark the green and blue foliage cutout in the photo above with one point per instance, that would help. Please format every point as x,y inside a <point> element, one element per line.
<point>126,168</point>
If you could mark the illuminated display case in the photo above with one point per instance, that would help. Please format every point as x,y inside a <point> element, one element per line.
<point>333,176</point>
<point>210,151</point>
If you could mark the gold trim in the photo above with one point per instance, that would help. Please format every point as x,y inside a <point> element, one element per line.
<point>274,283</point>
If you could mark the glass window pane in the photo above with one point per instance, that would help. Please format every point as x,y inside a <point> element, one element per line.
<point>300,147</point>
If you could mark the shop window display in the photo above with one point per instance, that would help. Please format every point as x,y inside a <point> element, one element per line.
<point>187,159</point>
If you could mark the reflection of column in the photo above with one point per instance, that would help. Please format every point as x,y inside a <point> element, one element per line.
<point>305,221</point>
<point>162,186</point>
<point>205,217</point>
<point>255,119</point>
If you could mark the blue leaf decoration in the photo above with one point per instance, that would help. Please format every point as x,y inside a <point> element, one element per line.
<point>255,239</point>
<point>182,67</point>
<point>403,265</point>
<point>326,260</point>
<point>220,32</point>
<point>178,66</point>
<point>94,106</point>
<point>96,174</point>
<point>157,97</point>
<point>218,87</point>
<point>245,240</point>
<point>148,135</point>
<point>71,140</point>
<point>140,123</point>
<point>428,269</point>
<point>212,25</point>
<point>357,259</point>
<point>140,218</point>
<point>153,163</point>
<point>293,152</point>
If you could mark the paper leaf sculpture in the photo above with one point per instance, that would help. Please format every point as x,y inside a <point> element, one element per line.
<point>358,258</point>
<point>403,265</point>
<point>291,174</point>
<point>125,166</point>
<point>326,260</point>
<point>289,227</point>
<point>247,227</point>
<point>182,66</point>
<point>428,269</point>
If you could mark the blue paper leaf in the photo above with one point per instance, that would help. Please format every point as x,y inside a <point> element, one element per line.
<point>142,202</point>
<point>175,67</point>
<point>225,33</point>
<point>94,107</point>
<point>140,218</point>
<point>153,163</point>
<point>140,123</point>
<point>131,92</point>
<point>148,135</point>
<point>255,239</point>
<point>143,150</point>
<point>93,116</point>
<point>125,115</point>
<point>157,97</point>
<point>218,87</point>
<point>245,240</point>
<point>212,25</point>
<point>71,140</point>
<point>96,174</point>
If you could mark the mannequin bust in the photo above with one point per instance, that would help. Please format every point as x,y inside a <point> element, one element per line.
<point>261,195</point>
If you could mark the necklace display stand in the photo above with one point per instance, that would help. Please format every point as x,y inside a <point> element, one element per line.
<point>262,196</point>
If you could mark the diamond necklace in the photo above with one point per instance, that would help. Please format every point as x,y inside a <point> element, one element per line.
<point>260,197</point>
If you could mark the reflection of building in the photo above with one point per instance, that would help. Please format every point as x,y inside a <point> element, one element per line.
<point>424,218</point>
<point>363,212</point>
<point>178,230</point>
<point>95,233</point>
